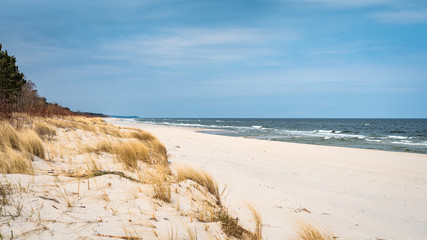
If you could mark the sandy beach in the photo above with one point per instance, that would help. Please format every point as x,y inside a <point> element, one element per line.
<point>355,193</point>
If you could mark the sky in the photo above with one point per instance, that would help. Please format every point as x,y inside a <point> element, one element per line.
<point>224,58</point>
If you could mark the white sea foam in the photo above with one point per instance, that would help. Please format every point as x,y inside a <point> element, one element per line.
<point>397,137</point>
<point>406,142</point>
<point>338,134</point>
<point>323,133</point>
<point>257,127</point>
<point>130,119</point>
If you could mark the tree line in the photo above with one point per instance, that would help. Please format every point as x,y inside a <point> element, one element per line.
<point>20,95</point>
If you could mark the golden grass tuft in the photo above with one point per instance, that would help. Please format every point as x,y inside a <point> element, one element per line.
<point>161,182</point>
<point>25,140</point>
<point>31,143</point>
<point>307,231</point>
<point>103,146</point>
<point>257,234</point>
<point>230,225</point>
<point>12,161</point>
<point>129,152</point>
<point>8,136</point>
<point>141,135</point>
<point>207,212</point>
<point>111,130</point>
<point>201,177</point>
<point>44,130</point>
<point>58,122</point>
<point>16,149</point>
<point>158,152</point>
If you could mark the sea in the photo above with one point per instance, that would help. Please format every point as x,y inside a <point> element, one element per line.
<point>402,135</point>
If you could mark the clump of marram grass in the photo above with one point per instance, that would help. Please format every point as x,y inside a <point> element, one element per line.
<point>257,234</point>
<point>232,228</point>
<point>8,136</point>
<point>111,130</point>
<point>31,143</point>
<point>129,152</point>
<point>5,190</point>
<point>24,140</point>
<point>230,225</point>
<point>44,130</point>
<point>161,182</point>
<point>141,135</point>
<point>207,212</point>
<point>157,150</point>
<point>307,231</point>
<point>16,149</point>
<point>13,161</point>
<point>201,177</point>
<point>103,146</point>
<point>158,147</point>
<point>59,123</point>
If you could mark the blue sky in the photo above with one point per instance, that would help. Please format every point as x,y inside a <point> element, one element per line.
<point>224,58</point>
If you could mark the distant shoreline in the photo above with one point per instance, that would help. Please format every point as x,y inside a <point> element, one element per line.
<point>394,135</point>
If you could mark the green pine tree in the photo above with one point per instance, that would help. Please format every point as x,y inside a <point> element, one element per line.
<point>11,80</point>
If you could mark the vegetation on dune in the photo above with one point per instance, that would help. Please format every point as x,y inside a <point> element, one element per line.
<point>307,231</point>
<point>13,161</point>
<point>44,130</point>
<point>17,149</point>
<point>201,177</point>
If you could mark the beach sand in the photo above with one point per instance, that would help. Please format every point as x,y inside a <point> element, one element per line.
<point>355,193</point>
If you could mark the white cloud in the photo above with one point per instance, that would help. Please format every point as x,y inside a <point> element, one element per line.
<point>402,16</point>
<point>193,46</point>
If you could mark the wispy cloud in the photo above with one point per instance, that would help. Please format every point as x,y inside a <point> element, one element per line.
<point>193,45</point>
<point>402,16</point>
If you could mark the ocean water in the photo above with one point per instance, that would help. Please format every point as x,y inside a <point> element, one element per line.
<point>404,135</point>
